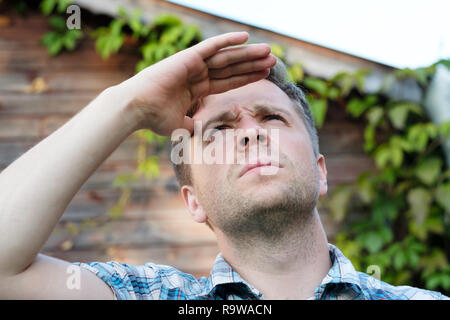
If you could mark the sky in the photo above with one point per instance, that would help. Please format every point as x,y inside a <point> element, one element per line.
<point>398,33</point>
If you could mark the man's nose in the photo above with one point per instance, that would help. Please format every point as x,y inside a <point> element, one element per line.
<point>251,134</point>
<point>251,137</point>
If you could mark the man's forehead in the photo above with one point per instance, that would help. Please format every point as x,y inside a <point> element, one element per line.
<point>250,97</point>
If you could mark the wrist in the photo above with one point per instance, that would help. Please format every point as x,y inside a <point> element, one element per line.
<point>116,98</point>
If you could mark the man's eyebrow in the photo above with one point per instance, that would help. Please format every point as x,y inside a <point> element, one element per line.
<point>258,108</point>
<point>220,117</point>
<point>262,108</point>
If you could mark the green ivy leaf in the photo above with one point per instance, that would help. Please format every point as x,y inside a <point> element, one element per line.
<point>63,4</point>
<point>371,241</point>
<point>365,188</point>
<point>338,202</point>
<point>149,167</point>
<point>167,21</point>
<point>116,212</point>
<point>434,225</point>
<point>418,137</point>
<point>442,195</point>
<point>386,235</point>
<point>190,34</point>
<point>58,23</point>
<point>316,85</point>
<point>171,35</point>
<point>369,138</point>
<point>109,40</point>
<point>122,180</point>
<point>69,43</point>
<point>318,109</point>
<point>56,46</point>
<point>374,115</point>
<point>148,51</point>
<point>295,72</point>
<point>444,129</point>
<point>344,81</point>
<point>47,6</point>
<point>360,76</point>
<point>387,175</point>
<point>399,260</point>
<point>333,93</point>
<point>48,38</point>
<point>396,156</point>
<point>383,210</point>
<point>419,200</point>
<point>382,155</point>
<point>141,65</point>
<point>399,113</point>
<point>429,170</point>
<point>277,50</point>
<point>431,129</point>
<point>356,106</point>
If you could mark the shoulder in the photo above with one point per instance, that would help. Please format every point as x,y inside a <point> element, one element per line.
<point>148,281</point>
<point>375,289</point>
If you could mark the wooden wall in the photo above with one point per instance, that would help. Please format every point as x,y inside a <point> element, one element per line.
<point>155,226</point>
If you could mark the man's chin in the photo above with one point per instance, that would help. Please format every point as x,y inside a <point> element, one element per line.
<point>265,190</point>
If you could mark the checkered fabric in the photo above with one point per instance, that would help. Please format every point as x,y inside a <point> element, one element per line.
<point>155,281</point>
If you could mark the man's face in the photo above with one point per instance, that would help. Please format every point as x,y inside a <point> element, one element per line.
<point>237,200</point>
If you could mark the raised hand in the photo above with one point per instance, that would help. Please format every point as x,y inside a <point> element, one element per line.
<point>162,93</point>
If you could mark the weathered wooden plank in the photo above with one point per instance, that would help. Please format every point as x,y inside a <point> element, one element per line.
<point>102,179</point>
<point>32,60</point>
<point>179,231</point>
<point>192,259</point>
<point>44,104</point>
<point>341,137</point>
<point>10,151</point>
<point>12,128</point>
<point>346,168</point>
<point>63,80</point>
<point>124,155</point>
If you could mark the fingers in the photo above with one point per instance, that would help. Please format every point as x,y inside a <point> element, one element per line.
<point>242,68</point>
<point>222,85</point>
<point>188,123</point>
<point>210,46</point>
<point>234,55</point>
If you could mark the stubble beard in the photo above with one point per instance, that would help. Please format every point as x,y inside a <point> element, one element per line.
<point>247,219</point>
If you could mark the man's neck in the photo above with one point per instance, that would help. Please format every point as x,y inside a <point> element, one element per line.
<point>290,269</point>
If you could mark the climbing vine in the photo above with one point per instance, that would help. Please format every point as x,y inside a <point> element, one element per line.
<point>398,214</point>
<point>396,217</point>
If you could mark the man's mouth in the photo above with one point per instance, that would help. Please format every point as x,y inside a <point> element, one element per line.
<point>259,167</point>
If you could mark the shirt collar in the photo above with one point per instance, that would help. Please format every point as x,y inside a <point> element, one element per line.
<point>222,273</point>
<point>341,272</point>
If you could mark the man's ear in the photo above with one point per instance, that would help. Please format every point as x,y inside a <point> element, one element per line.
<point>322,168</point>
<point>191,201</point>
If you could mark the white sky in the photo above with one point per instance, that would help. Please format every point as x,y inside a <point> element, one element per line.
<point>400,33</point>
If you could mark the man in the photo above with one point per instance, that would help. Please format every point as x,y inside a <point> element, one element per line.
<point>272,242</point>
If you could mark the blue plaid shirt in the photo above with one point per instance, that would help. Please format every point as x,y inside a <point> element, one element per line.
<point>154,281</point>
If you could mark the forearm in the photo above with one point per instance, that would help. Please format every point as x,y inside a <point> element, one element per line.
<point>37,187</point>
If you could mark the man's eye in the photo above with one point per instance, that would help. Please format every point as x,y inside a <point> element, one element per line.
<point>214,131</point>
<point>273,117</point>
<point>221,127</point>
